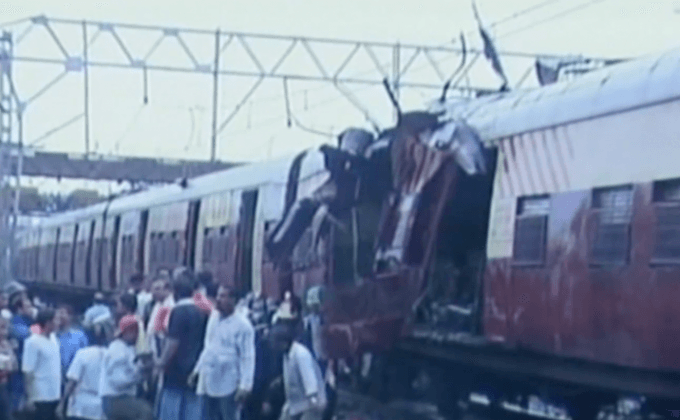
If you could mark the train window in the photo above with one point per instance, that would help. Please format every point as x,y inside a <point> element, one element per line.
<point>155,248</point>
<point>160,248</point>
<point>81,251</point>
<point>224,241</point>
<point>174,246</point>
<point>613,209</point>
<point>667,200</point>
<point>531,228</point>
<point>64,253</point>
<point>127,251</point>
<point>667,191</point>
<point>207,249</point>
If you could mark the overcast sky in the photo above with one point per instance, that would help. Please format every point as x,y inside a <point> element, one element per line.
<point>176,121</point>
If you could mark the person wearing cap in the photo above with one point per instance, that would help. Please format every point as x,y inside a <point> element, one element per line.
<point>98,308</point>
<point>121,373</point>
<point>126,304</point>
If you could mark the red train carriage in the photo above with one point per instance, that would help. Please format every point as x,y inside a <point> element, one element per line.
<point>567,248</point>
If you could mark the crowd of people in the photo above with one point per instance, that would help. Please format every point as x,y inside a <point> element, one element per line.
<point>178,346</point>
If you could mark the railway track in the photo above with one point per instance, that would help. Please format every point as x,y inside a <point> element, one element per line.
<point>354,406</point>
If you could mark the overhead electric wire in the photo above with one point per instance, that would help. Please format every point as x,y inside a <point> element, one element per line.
<point>522,13</point>
<point>556,16</point>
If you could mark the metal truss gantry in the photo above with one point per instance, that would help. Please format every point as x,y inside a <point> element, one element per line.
<point>396,68</point>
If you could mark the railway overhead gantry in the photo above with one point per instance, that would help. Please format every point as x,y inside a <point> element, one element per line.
<point>394,62</point>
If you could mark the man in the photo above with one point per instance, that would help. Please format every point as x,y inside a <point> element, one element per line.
<point>20,329</point>
<point>121,373</point>
<point>70,338</point>
<point>80,399</point>
<point>156,323</point>
<point>313,323</point>
<point>183,346</point>
<point>302,378</point>
<point>204,281</point>
<point>226,367</point>
<point>98,309</point>
<point>41,366</point>
<point>137,289</point>
<point>4,303</point>
<point>126,304</point>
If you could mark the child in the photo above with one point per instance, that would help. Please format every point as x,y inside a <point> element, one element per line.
<point>8,364</point>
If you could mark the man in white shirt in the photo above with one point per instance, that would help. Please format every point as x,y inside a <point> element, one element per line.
<point>41,365</point>
<point>226,367</point>
<point>120,375</point>
<point>84,376</point>
<point>163,302</point>
<point>98,309</point>
<point>137,289</point>
<point>302,378</point>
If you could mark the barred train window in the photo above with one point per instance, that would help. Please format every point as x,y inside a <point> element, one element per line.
<point>613,208</point>
<point>667,207</point>
<point>531,228</point>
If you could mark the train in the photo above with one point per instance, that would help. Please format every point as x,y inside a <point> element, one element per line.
<point>519,242</point>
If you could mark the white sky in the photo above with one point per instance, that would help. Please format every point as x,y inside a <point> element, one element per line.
<point>176,122</point>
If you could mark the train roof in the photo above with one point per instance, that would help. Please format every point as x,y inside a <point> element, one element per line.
<point>614,89</point>
<point>72,216</point>
<point>240,177</point>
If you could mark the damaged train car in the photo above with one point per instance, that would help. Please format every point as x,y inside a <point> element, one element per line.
<point>533,235</point>
<point>365,220</point>
<point>516,243</point>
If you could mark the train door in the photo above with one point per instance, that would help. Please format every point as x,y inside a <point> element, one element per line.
<point>90,251</point>
<point>270,205</point>
<point>166,236</point>
<point>244,270</point>
<point>97,256</point>
<point>46,255</point>
<point>128,258</point>
<point>112,255</point>
<point>141,242</point>
<point>216,236</point>
<point>82,245</point>
<point>64,261</point>
<point>192,234</point>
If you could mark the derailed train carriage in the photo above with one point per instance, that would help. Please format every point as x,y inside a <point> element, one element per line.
<point>548,259</point>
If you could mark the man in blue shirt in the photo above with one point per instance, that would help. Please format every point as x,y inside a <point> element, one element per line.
<point>20,330</point>
<point>71,339</point>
